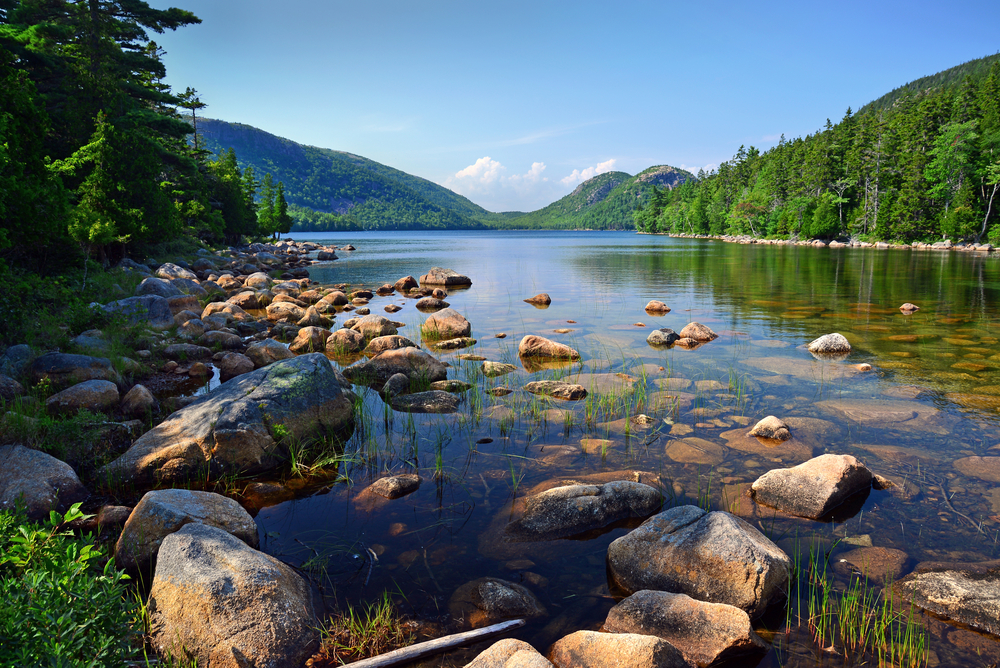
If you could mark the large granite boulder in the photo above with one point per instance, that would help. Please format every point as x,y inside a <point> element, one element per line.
<point>171,271</point>
<point>63,370</point>
<point>590,649</point>
<point>346,341</point>
<point>39,481</point>
<point>446,277</point>
<point>969,595</point>
<point>537,346</point>
<point>10,389</point>
<point>380,344</point>
<point>715,557</point>
<point>413,363</point>
<point>231,365</point>
<point>374,326</point>
<point>268,351</point>
<point>509,653</point>
<point>828,344</point>
<point>232,428</point>
<point>698,332</point>
<point>150,310</point>
<point>567,511</point>
<point>157,286</point>
<point>705,633</point>
<point>662,337</point>
<point>93,395</point>
<point>163,511</point>
<point>16,359</point>
<point>310,339</point>
<point>446,324</point>
<point>224,604</point>
<point>139,402</point>
<point>814,488</point>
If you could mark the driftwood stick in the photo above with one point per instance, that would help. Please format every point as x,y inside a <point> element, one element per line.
<point>422,649</point>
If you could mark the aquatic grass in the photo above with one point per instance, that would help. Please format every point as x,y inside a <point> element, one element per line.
<point>358,633</point>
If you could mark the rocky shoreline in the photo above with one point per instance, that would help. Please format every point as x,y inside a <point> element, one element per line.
<point>945,245</point>
<point>691,582</point>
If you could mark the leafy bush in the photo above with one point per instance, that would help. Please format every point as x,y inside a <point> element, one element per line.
<point>58,605</point>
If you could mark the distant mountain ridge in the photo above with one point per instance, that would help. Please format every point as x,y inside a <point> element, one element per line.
<point>943,80</point>
<point>330,190</point>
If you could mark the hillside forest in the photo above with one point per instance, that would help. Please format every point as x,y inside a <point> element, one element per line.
<point>921,163</point>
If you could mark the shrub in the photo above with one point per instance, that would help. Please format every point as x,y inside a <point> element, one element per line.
<point>58,605</point>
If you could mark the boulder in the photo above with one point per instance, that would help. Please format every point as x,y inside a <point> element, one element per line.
<point>171,271</point>
<point>63,370</point>
<point>489,600</point>
<point>451,385</point>
<point>772,428</point>
<point>337,298</point>
<point>573,509</point>
<point>392,308</point>
<point>258,281</point>
<point>139,402</point>
<point>909,308</point>
<point>494,369</point>
<point>157,286</point>
<point>39,481</point>
<point>414,363</point>
<point>541,299</point>
<point>374,326</point>
<point>161,512</point>
<point>10,389</point>
<point>878,564</point>
<point>224,604</point>
<point>310,339</point>
<point>185,352</point>
<point>705,633</point>
<point>183,303</point>
<point>698,332</point>
<point>830,344</point>
<point>431,401</point>
<point>590,649</point>
<point>446,277</point>
<point>446,324</point>
<point>346,341</point>
<point>714,557</point>
<point>431,304</point>
<point>405,284</point>
<point>509,653</point>
<point>231,365</point>
<point>189,287</point>
<point>814,488</point>
<point>969,596</point>
<point>220,340</point>
<point>657,307</point>
<point>556,388</point>
<point>380,344</point>
<point>268,351</point>
<point>312,318</point>
<point>93,395</point>
<point>192,329</point>
<point>245,300</point>
<point>396,385</point>
<point>15,360</point>
<point>396,486</point>
<point>229,430</point>
<point>454,344</point>
<point>284,312</point>
<point>150,310</point>
<point>229,311</point>
<point>537,346</point>
<point>662,337</point>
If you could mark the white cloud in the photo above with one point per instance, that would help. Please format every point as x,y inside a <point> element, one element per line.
<point>484,170</point>
<point>486,181</point>
<point>694,170</point>
<point>578,176</point>
<point>534,175</point>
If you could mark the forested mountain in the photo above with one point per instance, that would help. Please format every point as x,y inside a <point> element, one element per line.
<point>605,202</point>
<point>919,164</point>
<point>330,190</point>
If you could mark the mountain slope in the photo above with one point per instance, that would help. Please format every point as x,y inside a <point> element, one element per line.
<point>352,191</point>
<point>605,202</point>
<point>942,81</point>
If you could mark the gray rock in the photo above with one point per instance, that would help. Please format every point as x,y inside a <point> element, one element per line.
<point>396,486</point>
<point>91,344</point>
<point>432,401</point>
<point>189,287</point>
<point>150,310</point>
<point>454,344</point>
<point>157,286</point>
<point>590,649</point>
<point>15,360</point>
<point>494,369</point>
<point>230,429</point>
<point>162,512</point>
<point>431,304</point>
<point>557,389</point>
<point>231,365</point>
<point>184,352</point>
<point>344,341</point>
<point>830,344</point>
<point>489,600</point>
<point>374,326</point>
<point>223,603</point>
<point>715,557</point>
<point>40,481</point>
<point>10,389</point>
<point>63,370</point>
<point>662,337</point>
<point>968,596</point>
<point>171,271</point>
<point>381,344</point>
<point>566,511</point>
<point>397,384</point>
<point>814,488</point>
<point>705,633</point>
<point>220,340</point>
<point>92,395</point>
<point>440,276</point>
<point>414,363</point>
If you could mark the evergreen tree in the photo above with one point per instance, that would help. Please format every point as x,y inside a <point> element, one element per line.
<point>282,221</point>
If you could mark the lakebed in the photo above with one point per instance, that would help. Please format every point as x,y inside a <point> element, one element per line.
<point>925,415</point>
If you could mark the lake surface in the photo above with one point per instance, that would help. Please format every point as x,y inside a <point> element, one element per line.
<point>929,404</point>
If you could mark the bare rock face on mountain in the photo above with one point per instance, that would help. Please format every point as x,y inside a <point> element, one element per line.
<point>232,429</point>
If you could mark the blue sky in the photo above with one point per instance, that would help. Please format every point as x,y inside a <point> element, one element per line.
<point>515,103</point>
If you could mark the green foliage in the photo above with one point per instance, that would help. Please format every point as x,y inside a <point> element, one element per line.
<point>61,602</point>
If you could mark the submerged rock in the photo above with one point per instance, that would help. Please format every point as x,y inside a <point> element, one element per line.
<point>830,344</point>
<point>230,429</point>
<point>574,509</point>
<point>489,600</point>
<point>557,389</point>
<point>815,488</point>
<point>396,486</point>
<point>432,401</point>
<point>223,603</point>
<point>494,369</point>
<point>706,633</point>
<point>714,557</point>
